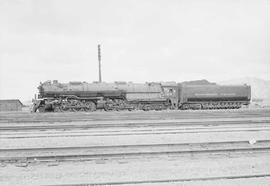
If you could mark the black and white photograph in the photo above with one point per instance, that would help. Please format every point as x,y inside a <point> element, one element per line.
<point>135,92</point>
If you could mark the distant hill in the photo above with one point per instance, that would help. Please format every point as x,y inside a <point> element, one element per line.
<point>260,89</point>
<point>198,82</point>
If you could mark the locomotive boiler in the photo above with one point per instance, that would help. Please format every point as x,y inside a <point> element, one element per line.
<point>83,96</point>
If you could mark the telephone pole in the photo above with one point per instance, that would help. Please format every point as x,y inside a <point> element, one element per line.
<point>99,64</point>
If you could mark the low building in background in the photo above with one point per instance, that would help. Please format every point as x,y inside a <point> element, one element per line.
<point>10,105</point>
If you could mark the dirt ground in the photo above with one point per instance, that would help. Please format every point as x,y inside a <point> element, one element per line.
<point>143,169</point>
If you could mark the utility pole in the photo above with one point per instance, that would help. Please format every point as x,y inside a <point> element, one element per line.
<point>99,64</point>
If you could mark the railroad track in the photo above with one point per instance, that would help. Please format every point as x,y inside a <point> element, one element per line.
<point>130,123</point>
<point>157,130</point>
<point>101,138</point>
<point>170,181</point>
<point>21,117</point>
<point>92,152</point>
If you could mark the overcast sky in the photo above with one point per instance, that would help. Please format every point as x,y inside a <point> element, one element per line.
<point>141,40</point>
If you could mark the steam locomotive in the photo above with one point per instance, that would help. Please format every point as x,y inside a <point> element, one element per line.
<point>83,96</point>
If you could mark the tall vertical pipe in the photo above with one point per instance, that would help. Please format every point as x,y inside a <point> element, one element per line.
<point>99,64</point>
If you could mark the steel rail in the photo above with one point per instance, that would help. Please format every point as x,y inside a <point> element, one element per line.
<point>68,117</point>
<point>152,131</point>
<point>156,181</point>
<point>130,124</point>
<point>79,153</point>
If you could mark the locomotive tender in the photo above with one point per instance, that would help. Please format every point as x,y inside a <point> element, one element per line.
<point>82,96</point>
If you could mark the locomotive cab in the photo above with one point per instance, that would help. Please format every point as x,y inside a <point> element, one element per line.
<point>170,92</point>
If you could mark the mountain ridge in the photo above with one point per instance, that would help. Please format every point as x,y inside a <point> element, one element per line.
<point>260,88</point>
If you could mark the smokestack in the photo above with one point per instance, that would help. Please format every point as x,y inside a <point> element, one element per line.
<point>99,64</point>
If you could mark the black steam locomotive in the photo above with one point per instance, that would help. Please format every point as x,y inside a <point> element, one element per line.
<point>82,96</point>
